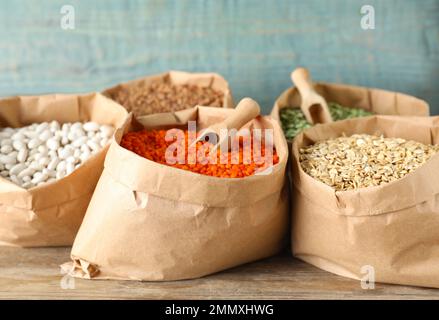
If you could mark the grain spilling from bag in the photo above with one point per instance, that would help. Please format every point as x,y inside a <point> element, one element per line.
<point>151,144</point>
<point>362,160</point>
<point>163,96</point>
<point>294,121</point>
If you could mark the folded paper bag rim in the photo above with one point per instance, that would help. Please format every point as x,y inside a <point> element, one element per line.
<point>184,185</point>
<point>367,201</point>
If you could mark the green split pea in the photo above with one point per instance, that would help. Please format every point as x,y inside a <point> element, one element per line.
<point>294,121</point>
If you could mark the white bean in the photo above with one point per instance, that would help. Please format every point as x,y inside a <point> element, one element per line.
<point>6,142</point>
<point>93,145</point>
<point>22,155</point>
<point>50,173</point>
<point>80,133</point>
<point>42,127</point>
<point>61,166</point>
<point>33,143</point>
<point>64,140</point>
<point>39,177</point>
<point>43,152</point>
<point>77,153</point>
<point>44,161</point>
<point>85,148</point>
<point>66,127</point>
<point>42,149</point>
<point>15,180</point>
<point>79,141</point>
<point>36,166</point>
<point>15,170</point>
<point>52,164</point>
<point>91,126</point>
<point>54,125</point>
<point>18,144</point>
<point>45,135</point>
<point>76,126</point>
<point>52,154</point>
<point>27,185</point>
<point>64,153</point>
<point>18,136</point>
<point>26,172</point>
<point>53,144</point>
<point>30,134</point>
<point>8,159</point>
<point>71,136</point>
<point>60,174</point>
<point>69,168</point>
<point>71,159</point>
<point>38,156</point>
<point>6,149</point>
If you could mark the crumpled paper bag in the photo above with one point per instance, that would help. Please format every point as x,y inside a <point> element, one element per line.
<point>148,221</point>
<point>50,215</point>
<point>392,228</point>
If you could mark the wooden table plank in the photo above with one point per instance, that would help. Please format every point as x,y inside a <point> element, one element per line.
<point>35,274</point>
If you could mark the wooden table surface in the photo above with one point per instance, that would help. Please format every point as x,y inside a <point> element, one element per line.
<point>35,274</point>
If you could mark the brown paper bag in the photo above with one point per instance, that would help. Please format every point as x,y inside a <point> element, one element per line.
<point>50,215</point>
<point>213,80</point>
<point>392,228</point>
<point>374,100</point>
<point>148,221</point>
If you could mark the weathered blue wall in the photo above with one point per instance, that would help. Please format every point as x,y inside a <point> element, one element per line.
<point>254,44</point>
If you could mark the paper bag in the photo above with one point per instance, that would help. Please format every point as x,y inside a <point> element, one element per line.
<point>212,80</point>
<point>389,232</point>
<point>148,221</point>
<point>374,100</point>
<point>50,215</point>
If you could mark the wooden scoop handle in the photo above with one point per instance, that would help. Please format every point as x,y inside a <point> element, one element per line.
<point>246,110</point>
<point>313,105</point>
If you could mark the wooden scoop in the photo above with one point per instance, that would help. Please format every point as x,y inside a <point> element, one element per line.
<point>246,110</point>
<point>313,105</point>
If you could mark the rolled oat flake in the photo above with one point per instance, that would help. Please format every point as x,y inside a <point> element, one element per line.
<point>362,160</point>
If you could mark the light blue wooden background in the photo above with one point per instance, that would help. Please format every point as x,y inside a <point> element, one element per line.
<point>254,44</point>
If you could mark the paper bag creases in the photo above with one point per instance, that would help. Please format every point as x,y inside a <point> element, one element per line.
<point>50,215</point>
<point>392,228</point>
<point>148,221</point>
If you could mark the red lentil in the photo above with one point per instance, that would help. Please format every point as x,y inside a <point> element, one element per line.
<point>151,144</point>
